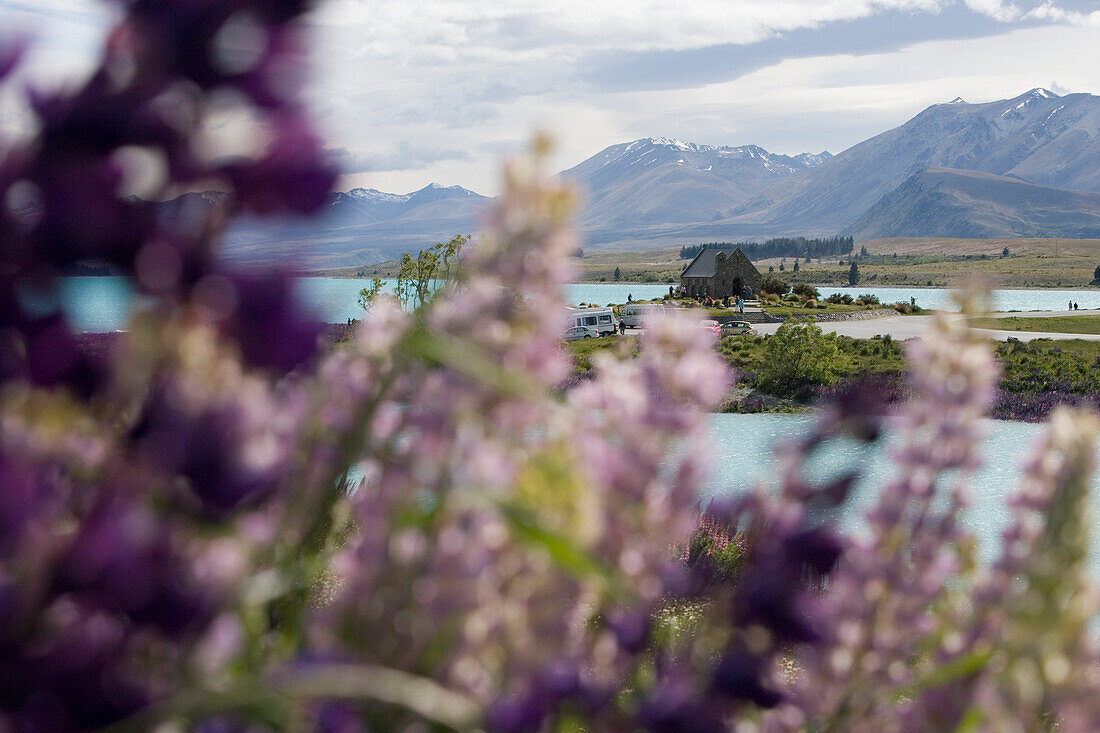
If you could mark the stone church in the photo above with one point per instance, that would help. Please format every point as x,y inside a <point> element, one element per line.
<point>721,273</point>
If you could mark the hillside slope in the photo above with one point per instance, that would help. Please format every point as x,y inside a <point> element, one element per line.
<point>1038,137</point>
<point>661,181</point>
<point>358,227</point>
<point>944,202</point>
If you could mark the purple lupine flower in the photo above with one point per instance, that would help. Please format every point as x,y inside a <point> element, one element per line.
<point>675,706</point>
<point>879,598</point>
<point>739,675</point>
<point>292,175</point>
<point>11,54</point>
<point>24,494</point>
<point>72,675</point>
<point>40,347</point>
<point>266,319</point>
<point>1033,607</point>
<point>632,629</point>
<point>332,717</point>
<point>197,40</point>
<point>125,560</point>
<point>83,216</point>
<point>200,447</point>
<point>505,544</point>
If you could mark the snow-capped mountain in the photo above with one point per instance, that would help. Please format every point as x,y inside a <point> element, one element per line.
<point>746,167</point>
<point>1038,137</point>
<point>662,180</point>
<point>358,227</point>
<point>369,204</point>
<point>661,191</point>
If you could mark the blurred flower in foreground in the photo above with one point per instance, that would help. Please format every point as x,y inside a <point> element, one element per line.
<point>183,546</point>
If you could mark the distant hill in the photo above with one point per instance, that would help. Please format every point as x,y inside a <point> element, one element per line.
<point>643,188</point>
<point>1041,152</point>
<point>357,227</point>
<point>945,202</point>
<point>1042,247</point>
<point>1037,137</point>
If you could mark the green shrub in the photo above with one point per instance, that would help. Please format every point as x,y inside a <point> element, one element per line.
<point>775,285</point>
<point>799,354</point>
<point>806,291</point>
<point>906,308</point>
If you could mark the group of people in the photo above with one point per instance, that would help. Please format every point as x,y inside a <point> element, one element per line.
<point>729,302</point>
<point>1073,305</point>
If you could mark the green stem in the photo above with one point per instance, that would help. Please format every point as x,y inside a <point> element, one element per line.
<point>356,682</point>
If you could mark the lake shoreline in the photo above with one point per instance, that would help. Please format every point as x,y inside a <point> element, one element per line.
<point>1025,406</point>
<point>651,283</point>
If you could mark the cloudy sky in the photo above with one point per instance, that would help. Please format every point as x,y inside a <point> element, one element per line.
<point>409,92</point>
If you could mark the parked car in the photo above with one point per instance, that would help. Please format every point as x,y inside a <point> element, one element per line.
<point>601,319</point>
<point>576,333</point>
<point>634,315</point>
<point>735,328</point>
<point>711,326</point>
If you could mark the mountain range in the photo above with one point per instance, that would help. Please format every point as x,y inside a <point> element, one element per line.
<point>1022,167</point>
<point>1037,137</point>
<point>358,227</point>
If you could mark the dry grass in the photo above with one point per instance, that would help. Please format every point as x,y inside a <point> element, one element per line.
<point>1032,263</point>
<point>991,247</point>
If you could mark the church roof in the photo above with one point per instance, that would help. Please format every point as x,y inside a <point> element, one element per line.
<point>704,263</point>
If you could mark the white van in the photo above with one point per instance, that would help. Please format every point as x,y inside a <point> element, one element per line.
<point>634,315</point>
<point>601,319</point>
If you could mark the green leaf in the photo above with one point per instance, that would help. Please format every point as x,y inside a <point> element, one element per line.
<point>971,721</point>
<point>574,560</point>
<point>958,668</point>
<point>471,362</point>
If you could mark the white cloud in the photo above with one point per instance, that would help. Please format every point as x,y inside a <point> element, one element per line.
<point>1052,13</point>
<point>435,88</point>
<point>998,9</point>
<point>462,29</point>
<point>795,106</point>
<point>402,156</point>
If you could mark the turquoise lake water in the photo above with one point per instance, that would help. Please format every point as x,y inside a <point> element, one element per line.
<point>743,458</point>
<point>99,304</point>
<point>743,443</point>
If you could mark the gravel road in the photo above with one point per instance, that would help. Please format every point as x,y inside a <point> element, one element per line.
<point>904,327</point>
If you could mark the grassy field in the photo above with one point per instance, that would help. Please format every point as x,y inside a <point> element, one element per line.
<point>1030,263</point>
<point>1053,324</point>
<point>788,309</point>
<point>583,349</point>
<point>902,261</point>
<point>1036,376</point>
<point>647,266</point>
<point>650,266</point>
